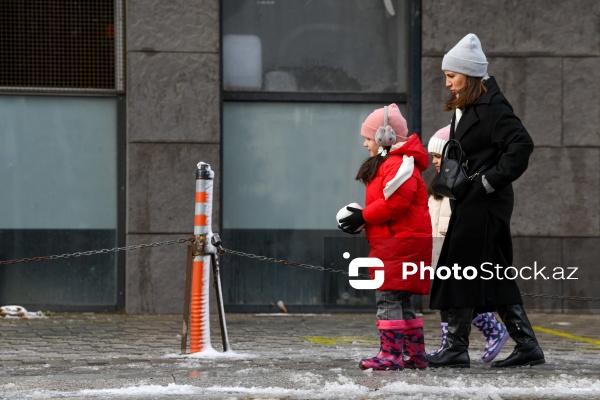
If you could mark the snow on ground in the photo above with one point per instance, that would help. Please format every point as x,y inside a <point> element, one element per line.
<point>210,353</point>
<point>565,386</point>
<point>312,368</point>
<point>218,377</point>
<point>19,312</point>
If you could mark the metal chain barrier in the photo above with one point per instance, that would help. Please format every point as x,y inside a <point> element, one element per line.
<point>248,255</point>
<point>557,297</point>
<point>319,268</point>
<point>92,252</point>
<point>285,262</point>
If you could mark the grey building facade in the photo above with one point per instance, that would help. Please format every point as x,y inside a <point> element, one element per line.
<point>177,109</point>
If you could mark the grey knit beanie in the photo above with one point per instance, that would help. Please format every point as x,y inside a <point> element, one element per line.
<point>466,57</point>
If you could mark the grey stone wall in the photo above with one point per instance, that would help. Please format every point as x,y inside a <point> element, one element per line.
<point>172,124</point>
<point>545,55</point>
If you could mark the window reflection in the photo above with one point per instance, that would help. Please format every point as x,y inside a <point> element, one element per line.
<point>315,46</point>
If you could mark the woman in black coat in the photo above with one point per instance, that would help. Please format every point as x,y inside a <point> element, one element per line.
<point>478,236</point>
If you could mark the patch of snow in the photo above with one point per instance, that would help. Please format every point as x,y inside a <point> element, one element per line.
<point>307,378</point>
<point>254,370</point>
<point>513,387</point>
<point>8,385</point>
<point>210,353</point>
<point>19,312</point>
<point>144,390</point>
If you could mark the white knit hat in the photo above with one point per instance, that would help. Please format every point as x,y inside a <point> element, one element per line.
<point>439,140</point>
<point>466,57</point>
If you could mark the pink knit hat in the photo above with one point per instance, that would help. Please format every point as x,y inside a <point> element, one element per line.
<point>395,120</point>
<point>438,140</point>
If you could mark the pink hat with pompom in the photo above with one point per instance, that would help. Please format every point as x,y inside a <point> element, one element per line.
<point>438,140</point>
<point>395,120</point>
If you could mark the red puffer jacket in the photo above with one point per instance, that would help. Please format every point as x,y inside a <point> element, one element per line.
<point>399,228</point>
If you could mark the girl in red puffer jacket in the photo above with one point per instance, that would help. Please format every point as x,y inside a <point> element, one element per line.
<point>398,228</point>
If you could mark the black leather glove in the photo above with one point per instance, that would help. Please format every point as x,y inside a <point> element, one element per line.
<point>347,231</point>
<point>352,222</point>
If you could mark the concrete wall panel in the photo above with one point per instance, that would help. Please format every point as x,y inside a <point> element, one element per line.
<point>161,187</point>
<point>559,194</point>
<point>515,27</point>
<point>155,277</point>
<point>541,255</point>
<point>582,253</point>
<point>531,85</point>
<point>173,97</point>
<point>174,25</point>
<point>581,102</point>
<point>433,96</point>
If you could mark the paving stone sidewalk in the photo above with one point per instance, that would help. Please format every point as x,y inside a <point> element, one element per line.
<point>87,355</point>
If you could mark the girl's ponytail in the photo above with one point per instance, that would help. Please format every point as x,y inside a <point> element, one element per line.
<point>369,168</point>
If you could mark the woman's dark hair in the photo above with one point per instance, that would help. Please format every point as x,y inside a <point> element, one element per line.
<point>369,168</point>
<point>430,191</point>
<point>473,91</point>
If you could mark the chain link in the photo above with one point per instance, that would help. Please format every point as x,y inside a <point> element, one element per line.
<point>285,262</point>
<point>319,268</point>
<point>92,252</point>
<point>557,297</point>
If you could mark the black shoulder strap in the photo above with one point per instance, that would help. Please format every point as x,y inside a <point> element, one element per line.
<point>487,165</point>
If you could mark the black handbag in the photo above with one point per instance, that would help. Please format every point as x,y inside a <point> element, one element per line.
<point>453,180</point>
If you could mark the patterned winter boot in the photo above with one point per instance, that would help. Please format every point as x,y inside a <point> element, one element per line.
<point>444,334</point>
<point>495,335</point>
<point>390,352</point>
<point>414,344</point>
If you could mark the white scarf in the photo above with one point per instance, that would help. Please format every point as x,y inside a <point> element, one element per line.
<point>404,172</point>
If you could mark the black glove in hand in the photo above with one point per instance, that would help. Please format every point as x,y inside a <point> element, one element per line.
<point>348,231</point>
<point>352,222</point>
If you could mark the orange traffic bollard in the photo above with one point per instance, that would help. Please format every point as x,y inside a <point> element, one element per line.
<point>199,326</point>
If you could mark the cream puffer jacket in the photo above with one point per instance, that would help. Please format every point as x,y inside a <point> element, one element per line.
<point>440,212</point>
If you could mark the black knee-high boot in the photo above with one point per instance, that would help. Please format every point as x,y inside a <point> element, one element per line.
<point>527,350</point>
<point>455,354</point>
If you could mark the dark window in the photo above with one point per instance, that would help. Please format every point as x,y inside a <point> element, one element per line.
<point>333,46</point>
<point>60,44</point>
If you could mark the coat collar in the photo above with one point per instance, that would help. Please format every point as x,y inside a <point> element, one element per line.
<point>470,117</point>
<point>492,90</point>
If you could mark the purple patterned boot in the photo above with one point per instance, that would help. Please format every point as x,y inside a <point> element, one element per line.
<point>414,344</point>
<point>495,335</point>
<point>444,335</point>
<point>390,352</point>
